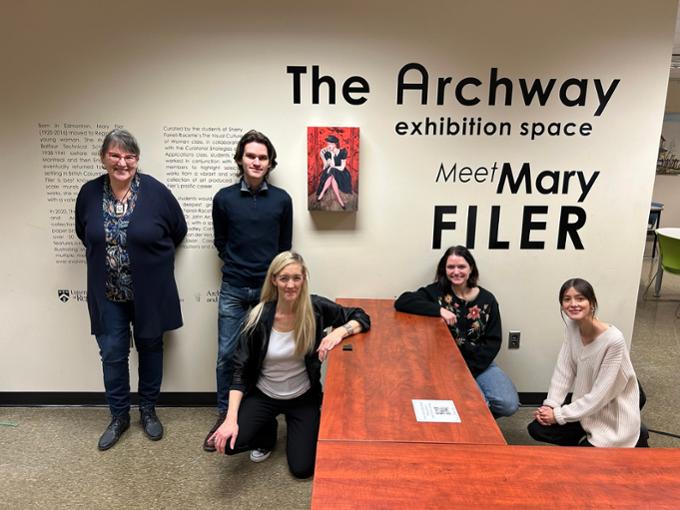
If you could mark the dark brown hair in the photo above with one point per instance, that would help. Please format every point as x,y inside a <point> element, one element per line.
<point>582,287</point>
<point>254,136</point>
<point>440,275</point>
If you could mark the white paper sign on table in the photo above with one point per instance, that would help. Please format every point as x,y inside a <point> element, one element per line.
<point>435,411</point>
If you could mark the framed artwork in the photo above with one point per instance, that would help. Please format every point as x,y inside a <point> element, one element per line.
<point>333,169</point>
<point>668,162</point>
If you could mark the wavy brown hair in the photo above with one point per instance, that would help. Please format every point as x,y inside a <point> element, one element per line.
<point>255,136</point>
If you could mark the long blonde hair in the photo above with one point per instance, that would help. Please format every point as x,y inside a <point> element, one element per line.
<point>304,332</point>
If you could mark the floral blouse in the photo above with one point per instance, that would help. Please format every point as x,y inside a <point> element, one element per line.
<point>477,330</point>
<point>471,321</point>
<point>118,275</point>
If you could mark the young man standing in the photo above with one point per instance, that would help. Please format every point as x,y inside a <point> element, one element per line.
<point>253,222</point>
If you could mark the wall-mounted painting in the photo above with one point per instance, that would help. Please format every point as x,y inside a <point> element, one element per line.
<point>333,168</point>
<point>669,148</point>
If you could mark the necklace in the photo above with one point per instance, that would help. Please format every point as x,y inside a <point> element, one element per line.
<point>121,205</point>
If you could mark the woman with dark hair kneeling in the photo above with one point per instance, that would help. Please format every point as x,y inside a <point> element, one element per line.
<point>277,366</point>
<point>593,363</point>
<point>472,316</point>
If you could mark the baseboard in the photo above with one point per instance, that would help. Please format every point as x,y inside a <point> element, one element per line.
<point>96,398</point>
<point>168,399</point>
<point>532,399</point>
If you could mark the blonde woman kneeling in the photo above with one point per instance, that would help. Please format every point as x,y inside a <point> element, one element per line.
<point>277,366</point>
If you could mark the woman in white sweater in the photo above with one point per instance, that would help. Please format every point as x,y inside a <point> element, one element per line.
<point>595,365</point>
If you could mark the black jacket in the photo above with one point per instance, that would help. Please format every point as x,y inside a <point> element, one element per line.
<point>252,347</point>
<point>477,330</point>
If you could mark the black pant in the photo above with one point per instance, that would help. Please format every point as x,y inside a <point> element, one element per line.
<point>569,434</point>
<point>572,434</point>
<point>257,428</point>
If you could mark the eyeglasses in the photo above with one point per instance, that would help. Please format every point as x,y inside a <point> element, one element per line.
<point>295,279</point>
<point>115,157</point>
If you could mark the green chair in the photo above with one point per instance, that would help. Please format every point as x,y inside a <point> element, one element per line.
<point>669,257</point>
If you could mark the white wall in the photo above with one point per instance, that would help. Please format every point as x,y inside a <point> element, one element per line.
<point>146,65</point>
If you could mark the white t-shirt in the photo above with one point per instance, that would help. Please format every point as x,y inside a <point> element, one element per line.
<point>284,375</point>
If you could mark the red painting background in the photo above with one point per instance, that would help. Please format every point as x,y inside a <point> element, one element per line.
<point>316,139</point>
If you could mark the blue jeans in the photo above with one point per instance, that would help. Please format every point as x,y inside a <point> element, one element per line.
<point>499,392</point>
<point>233,306</point>
<point>114,349</point>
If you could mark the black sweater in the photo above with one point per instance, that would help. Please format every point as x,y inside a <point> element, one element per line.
<point>250,230</point>
<point>478,327</point>
<point>252,347</point>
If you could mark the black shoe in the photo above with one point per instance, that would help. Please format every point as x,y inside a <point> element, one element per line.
<point>113,432</point>
<point>208,444</point>
<point>153,428</point>
<point>643,440</point>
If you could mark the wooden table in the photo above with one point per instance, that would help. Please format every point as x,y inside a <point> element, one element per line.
<point>368,391</point>
<point>375,475</point>
<point>373,454</point>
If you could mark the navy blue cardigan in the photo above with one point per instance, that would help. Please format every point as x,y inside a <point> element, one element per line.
<point>156,227</point>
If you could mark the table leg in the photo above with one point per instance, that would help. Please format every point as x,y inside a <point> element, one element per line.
<point>658,221</point>
<point>659,276</point>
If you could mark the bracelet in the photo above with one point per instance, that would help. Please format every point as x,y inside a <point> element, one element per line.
<point>349,329</point>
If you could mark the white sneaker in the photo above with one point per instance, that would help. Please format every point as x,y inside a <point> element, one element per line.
<point>260,455</point>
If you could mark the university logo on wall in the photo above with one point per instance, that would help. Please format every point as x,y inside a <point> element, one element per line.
<point>333,169</point>
<point>64,295</point>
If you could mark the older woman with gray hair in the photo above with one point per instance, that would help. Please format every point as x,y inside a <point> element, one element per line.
<point>130,225</point>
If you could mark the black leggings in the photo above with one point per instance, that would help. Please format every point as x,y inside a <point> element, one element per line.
<point>569,434</point>
<point>257,428</point>
<point>572,434</point>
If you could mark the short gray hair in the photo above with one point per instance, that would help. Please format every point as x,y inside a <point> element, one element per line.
<point>122,138</point>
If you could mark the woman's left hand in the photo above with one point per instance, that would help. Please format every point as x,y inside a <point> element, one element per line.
<point>329,341</point>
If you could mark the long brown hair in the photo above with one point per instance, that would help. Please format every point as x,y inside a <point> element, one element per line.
<point>440,275</point>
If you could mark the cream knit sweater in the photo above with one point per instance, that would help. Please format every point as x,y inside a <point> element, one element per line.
<point>605,397</point>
